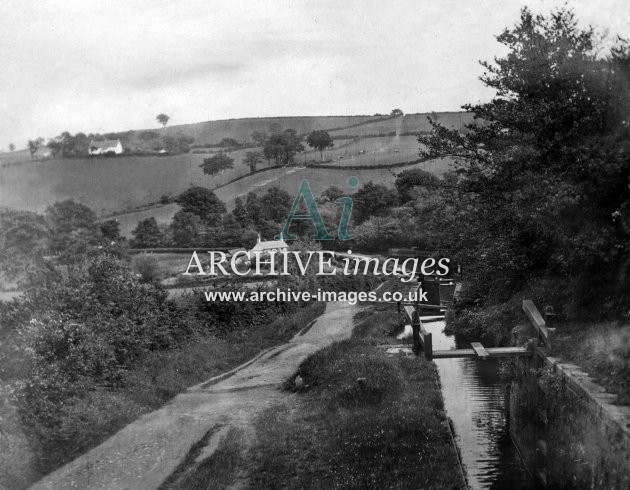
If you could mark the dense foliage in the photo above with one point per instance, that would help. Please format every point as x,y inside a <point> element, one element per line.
<point>541,200</point>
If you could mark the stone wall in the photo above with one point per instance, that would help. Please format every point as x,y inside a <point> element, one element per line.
<point>566,427</point>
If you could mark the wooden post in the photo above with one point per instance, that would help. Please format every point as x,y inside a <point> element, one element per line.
<point>415,327</point>
<point>536,319</point>
<point>428,346</point>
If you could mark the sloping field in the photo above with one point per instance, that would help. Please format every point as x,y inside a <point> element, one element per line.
<point>409,123</point>
<point>108,185</point>
<point>370,151</point>
<point>114,185</point>
<point>241,129</point>
<point>289,180</point>
<point>124,184</point>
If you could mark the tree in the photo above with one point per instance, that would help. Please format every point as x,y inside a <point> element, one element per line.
<point>70,222</point>
<point>544,172</point>
<point>320,140</point>
<point>254,208</point>
<point>408,179</point>
<point>396,112</point>
<point>34,145</point>
<point>110,229</point>
<point>187,229</point>
<point>276,204</point>
<point>217,163</point>
<point>240,213</point>
<point>259,137</point>
<point>177,144</point>
<point>282,147</point>
<point>163,119</point>
<point>373,200</point>
<point>11,146</point>
<point>203,203</point>
<point>147,234</point>
<point>252,158</point>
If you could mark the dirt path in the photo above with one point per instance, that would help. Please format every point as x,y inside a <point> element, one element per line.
<point>146,452</point>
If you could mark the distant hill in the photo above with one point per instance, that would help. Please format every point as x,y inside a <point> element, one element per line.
<point>365,146</point>
<point>212,132</point>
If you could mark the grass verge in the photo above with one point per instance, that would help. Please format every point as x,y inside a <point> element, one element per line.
<point>365,420</point>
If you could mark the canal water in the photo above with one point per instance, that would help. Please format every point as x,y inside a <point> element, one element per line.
<point>477,402</point>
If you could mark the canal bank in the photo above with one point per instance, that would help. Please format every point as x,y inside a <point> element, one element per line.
<point>567,428</point>
<point>547,425</point>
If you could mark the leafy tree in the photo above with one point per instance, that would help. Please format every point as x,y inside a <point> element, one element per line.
<point>69,222</point>
<point>202,202</point>
<point>187,229</point>
<point>282,147</point>
<point>544,176</point>
<point>147,234</point>
<point>373,200</point>
<point>81,335</point>
<point>177,144</point>
<point>320,140</point>
<point>163,119</point>
<point>276,204</point>
<point>110,229</point>
<point>254,208</point>
<point>34,145</point>
<point>396,112</point>
<point>252,158</point>
<point>409,179</point>
<point>217,163</point>
<point>240,213</point>
<point>11,146</point>
<point>259,137</point>
<point>149,269</point>
<point>24,239</point>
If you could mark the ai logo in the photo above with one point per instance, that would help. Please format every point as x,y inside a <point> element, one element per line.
<point>304,192</point>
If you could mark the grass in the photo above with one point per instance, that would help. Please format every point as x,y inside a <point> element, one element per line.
<point>362,420</point>
<point>602,350</point>
<point>366,420</point>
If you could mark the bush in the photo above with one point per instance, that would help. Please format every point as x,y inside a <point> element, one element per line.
<point>149,269</point>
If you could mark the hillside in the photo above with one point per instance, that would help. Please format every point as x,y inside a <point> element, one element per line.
<point>122,185</point>
<point>212,132</point>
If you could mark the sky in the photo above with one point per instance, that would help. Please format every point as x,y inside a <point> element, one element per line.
<point>96,66</point>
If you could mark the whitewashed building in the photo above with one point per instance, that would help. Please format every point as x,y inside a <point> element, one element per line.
<point>270,246</point>
<point>105,147</point>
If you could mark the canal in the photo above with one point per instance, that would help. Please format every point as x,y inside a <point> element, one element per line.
<point>476,401</point>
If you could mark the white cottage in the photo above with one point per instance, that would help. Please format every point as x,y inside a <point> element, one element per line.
<point>270,246</point>
<point>105,147</point>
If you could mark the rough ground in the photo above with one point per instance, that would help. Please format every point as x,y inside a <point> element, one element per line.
<point>146,452</point>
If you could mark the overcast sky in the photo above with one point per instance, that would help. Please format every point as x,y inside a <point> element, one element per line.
<point>99,66</point>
